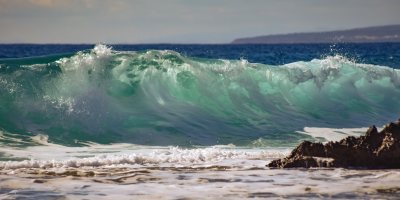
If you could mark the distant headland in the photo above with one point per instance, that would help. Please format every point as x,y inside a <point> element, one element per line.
<point>389,33</point>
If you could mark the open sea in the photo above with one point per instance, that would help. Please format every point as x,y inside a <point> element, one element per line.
<point>166,121</point>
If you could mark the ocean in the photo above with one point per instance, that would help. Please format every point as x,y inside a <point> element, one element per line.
<point>170,121</point>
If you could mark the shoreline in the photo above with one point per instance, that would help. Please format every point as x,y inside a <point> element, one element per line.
<point>218,181</point>
<point>232,177</point>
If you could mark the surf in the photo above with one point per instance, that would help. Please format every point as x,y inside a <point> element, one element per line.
<point>160,97</point>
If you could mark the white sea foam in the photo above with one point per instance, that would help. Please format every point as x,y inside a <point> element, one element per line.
<point>333,134</point>
<point>102,50</point>
<point>56,156</point>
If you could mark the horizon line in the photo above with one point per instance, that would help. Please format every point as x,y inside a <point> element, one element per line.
<point>162,43</point>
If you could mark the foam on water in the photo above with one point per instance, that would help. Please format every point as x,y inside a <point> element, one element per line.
<point>127,171</point>
<point>331,134</point>
<point>55,156</point>
<point>220,180</point>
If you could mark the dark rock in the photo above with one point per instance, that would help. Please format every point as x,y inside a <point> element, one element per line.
<point>374,150</point>
<point>307,148</point>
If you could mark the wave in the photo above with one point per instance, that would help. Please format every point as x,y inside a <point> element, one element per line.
<point>163,98</point>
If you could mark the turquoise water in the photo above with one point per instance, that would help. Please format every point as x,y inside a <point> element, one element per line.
<point>162,97</point>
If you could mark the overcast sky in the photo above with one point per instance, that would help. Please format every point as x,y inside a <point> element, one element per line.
<point>182,21</point>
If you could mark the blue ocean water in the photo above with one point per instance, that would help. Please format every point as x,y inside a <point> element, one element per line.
<point>385,54</point>
<point>187,95</point>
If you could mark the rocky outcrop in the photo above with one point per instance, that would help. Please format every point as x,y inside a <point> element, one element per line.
<point>375,150</point>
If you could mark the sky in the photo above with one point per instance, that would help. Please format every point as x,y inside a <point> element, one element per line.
<point>182,21</point>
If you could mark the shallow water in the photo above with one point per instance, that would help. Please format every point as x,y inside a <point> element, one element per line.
<point>126,171</point>
<point>211,182</point>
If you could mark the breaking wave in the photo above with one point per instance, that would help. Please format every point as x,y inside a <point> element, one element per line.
<point>163,98</point>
